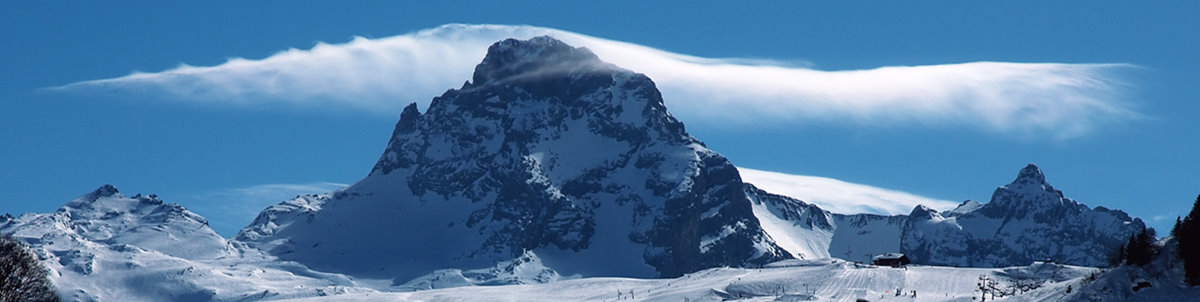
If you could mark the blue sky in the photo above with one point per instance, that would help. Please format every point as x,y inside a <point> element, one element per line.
<point>224,156</point>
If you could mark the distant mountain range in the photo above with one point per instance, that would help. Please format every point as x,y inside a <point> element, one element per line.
<point>548,163</point>
<point>1026,221</point>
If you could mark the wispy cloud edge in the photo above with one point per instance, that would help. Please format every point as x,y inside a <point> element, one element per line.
<point>840,196</point>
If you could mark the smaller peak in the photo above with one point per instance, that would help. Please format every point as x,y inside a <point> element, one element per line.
<point>410,111</point>
<point>966,206</point>
<point>408,120</point>
<point>527,257</point>
<point>106,190</point>
<point>923,211</point>
<point>152,199</point>
<point>1030,175</point>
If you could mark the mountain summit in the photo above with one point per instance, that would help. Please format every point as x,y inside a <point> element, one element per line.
<point>547,150</point>
<point>1030,175</point>
<point>1029,195</point>
<point>535,60</point>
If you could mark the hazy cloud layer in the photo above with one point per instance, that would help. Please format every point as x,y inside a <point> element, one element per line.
<point>382,75</point>
<point>229,210</point>
<point>839,196</point>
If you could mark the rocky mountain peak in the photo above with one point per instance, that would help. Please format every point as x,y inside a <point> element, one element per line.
<point>1028,193</point>
<point>1031,175</point>
<point>106,190</point>
<point>408,118</point>
<point>549,150</point>
<point>531,60</point>
<point>923,212</point>
<point>527,92</point>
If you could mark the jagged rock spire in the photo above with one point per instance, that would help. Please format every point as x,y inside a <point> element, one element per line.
<point>1028,193</point>
<point>1030,175</point>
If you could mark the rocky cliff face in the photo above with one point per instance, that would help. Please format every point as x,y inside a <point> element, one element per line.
<point>547,149</point>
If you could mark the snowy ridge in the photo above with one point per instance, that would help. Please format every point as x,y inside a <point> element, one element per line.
<point>1027,220</point>
<point>526,269</point>
<point>105,246</point>
<point>302,208</point>
<point>802,229</point>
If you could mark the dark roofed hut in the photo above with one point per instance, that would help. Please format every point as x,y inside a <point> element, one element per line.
<point>891,259</point>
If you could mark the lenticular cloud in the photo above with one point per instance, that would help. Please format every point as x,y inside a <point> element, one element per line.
<point>382,75</point>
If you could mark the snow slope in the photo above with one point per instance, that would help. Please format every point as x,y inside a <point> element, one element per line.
<point>862,236</point>
<point>790,280</point>
<point>799,228</point>
<point>1160,280</point>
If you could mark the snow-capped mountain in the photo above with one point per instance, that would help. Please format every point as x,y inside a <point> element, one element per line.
<point>104,246</point>
<point>105,215</point>
<point>1026,220</point>
<point>546,149</point>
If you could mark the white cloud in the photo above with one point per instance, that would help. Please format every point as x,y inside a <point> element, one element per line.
<point>382,75</point>
<point>228,210</point>
<point>839,196</point>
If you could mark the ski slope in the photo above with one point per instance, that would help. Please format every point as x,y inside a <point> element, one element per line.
<point>791,280</point>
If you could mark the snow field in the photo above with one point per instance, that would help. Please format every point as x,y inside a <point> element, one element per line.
<point>792,280</point>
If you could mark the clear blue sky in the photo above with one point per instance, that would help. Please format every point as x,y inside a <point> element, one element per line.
<point>58,145</point>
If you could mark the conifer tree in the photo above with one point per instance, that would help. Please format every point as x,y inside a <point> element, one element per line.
<point>1140,248</point>
<point>1117,256</point>
<point>1188,235</point>
<point>1178,222</point>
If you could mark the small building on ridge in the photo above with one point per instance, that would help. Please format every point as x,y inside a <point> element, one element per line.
<point>891,259</point>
